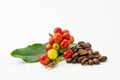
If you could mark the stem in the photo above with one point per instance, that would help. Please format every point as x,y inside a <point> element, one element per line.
<point>57,60</point>
<point>50,35</point>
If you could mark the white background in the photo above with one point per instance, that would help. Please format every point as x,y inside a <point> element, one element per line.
<point>24,22</point>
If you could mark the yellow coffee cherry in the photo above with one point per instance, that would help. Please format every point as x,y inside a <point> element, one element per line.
<point>52,54</point>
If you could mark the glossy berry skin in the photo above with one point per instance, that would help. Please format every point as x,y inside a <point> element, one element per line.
<point>58,30</point>
<point>57,37</point>
<point>48,46</point>
<point>71,39</point>
<point>43,59</point>
<point>65,31</point>
<point>52,54</point>
<point>56,46</point>
<point>51,41</point>
<point>65,43</point>
<point>66,35</point>
<point>68,54</point>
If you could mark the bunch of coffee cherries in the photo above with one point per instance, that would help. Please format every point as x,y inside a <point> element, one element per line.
<point>58,45</point>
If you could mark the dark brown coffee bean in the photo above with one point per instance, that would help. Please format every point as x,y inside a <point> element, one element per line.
<point>88,49</point>
<point>96,53</point>
<point>91,56</point>
<point>77,46</point>
<point>75,50</point>
<point>75,54</point>
<point>73,61</point>
<point>97,56</point>
<point>90,62</point>
<point>69,60</point>
<point>90,52</point>
<point>103,58</point>
<point>78,53</point>
<point>83,52</point>
<point>76,58</point>
<point>84,60</point>
<point>83,45</point>
<point>81,58</point>
<point>81,42</point>
<point>88,45</point>
<point>96,61</point>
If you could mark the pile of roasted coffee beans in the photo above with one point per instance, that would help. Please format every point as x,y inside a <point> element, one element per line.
<point>84,54</point>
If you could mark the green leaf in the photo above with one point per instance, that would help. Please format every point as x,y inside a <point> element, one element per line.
<point>30,53</point>
<point>73,44</point>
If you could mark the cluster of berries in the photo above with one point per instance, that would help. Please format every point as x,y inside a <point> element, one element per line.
<point>58,45</point>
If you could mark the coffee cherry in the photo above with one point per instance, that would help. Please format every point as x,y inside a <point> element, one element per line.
<point>56,46</point>
<point>68,54</point>
<point>43,59</point>
<point>71,39</point>
<point>51,41</point>
<point>65,31</point>
<point>48,46</point>
<point>65,43</point>
<point>58,30</point>
<point>66,35</point>
<point>57,37</point>
<point>52,54</point>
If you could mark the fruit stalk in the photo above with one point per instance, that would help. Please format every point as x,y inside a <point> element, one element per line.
<point>57,60</point>
<point>50,35</point>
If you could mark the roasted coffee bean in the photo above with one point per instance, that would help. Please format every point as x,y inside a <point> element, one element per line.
<point>90,62</point>
<point>96,53</point>
<point>81,58</point>
<point>78,47</point>
<point>91,56</point>
<point>88,45</point>
<point>97,56</point>
<point>96,61</point>
<point>75,50</point>
<point>83,45</point>
<point>81,42</point>
<point>83,52</point>
<point>84,60</point>
<point>69,60</point>
<point>80,50</point>
<point>74,61</point>
<point>103,58</point>
<point>88,49</point>
<point>75,54</point>
<point>90,52</point>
